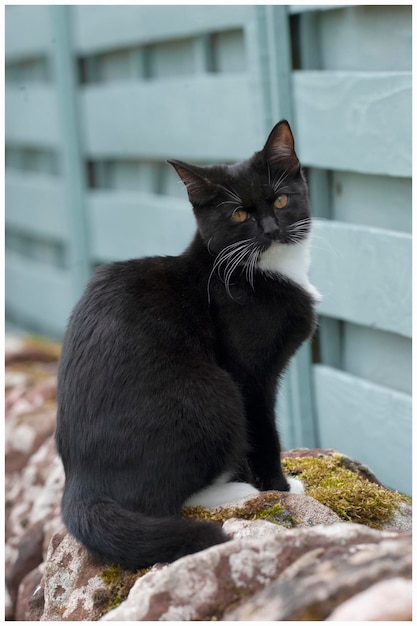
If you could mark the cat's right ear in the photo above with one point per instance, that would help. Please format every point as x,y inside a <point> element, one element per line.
<point>198,186</point>
<point>279,148</point>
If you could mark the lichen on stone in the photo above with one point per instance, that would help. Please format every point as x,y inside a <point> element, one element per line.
<point>266,508</point>
<point>118,582</point>
<point>354,498</point>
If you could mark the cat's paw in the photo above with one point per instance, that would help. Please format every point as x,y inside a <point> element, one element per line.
<point>296,486</point>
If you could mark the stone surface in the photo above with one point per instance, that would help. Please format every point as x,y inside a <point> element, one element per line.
<point>289,556</point>
<point>312,586</point>
<point>34,475</point>
<point>307,511</point>
<point>363,470</point>
<point>36,506</point>
<point>70,582</point>
<point>252,529</point>
<point>203,586</point>
<point>26,608</point>
<point>387,601</point>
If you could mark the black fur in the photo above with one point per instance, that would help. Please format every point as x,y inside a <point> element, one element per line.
<point>169,368</point>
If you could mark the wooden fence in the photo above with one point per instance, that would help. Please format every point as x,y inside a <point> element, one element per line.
<point>98,97</point>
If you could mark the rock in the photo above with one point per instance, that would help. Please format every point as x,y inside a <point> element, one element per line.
<point>402,518</point>
<point>346,487</point>
<point>320,579</point>
<point>18,349</point>
<point>306,511</point>
<point>26,434</point>
<point>251,529</point>
<point>202,586</point>
<point>387,601</point>
<point>26,607</point>
<point>29,556</point>
<point>283,544</point>
<point>289,510</point>
<point>35,504</point>
<point>70,581</point>
<point>313,453</point>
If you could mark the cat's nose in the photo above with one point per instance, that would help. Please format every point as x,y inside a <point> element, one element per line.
<point>270,228</point>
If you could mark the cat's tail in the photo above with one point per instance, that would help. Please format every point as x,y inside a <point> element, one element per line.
<point>119,536</point>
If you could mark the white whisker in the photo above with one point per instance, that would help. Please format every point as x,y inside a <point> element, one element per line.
<point>231,257</point>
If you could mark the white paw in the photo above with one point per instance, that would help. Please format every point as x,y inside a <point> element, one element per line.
<point>315,293</point>
<point>296,486</point>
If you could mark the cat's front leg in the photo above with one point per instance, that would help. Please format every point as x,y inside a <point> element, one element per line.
<point>265,451</point>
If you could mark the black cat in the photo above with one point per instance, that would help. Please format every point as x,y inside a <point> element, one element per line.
<point>169,369</point>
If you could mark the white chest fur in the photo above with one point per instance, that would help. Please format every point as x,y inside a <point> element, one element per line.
<point>291,261</point>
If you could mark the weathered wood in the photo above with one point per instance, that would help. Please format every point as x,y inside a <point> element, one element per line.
<point>303,8</point>
<point>99,28</point>
<point>368,38</point>
<point>364,275</point>
<point>35,205</point>
<point>381,201</point>
<point>366,421</point>
<point>38,293</point>
<point>349,121</point>
<point>132,224</point>
<point>379,357</point>
<point>139,120</point>
<point>71,152</point>
<point>31,116</point>
<point>28,31</point>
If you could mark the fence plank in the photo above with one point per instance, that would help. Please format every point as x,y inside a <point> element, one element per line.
<point>366,421</point>
<point>113,27</point>
<point>364,275</point>
<point>294,9</point>
<point>28,31</point>
<point>388,200</point>
<point>125,225</point>
<point>349,121</point>
<point>32,116</point>
<point>41,293</point>
<point>138,119</point>
<point>35,205</point>
<point>73,167</point>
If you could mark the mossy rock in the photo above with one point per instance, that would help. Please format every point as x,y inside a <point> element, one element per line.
<point>332,480</point>
<point>267,506</point>
<point>118,581</point>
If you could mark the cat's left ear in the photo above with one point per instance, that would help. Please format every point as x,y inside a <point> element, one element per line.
<point>279,147</point>
<point>198,186</point>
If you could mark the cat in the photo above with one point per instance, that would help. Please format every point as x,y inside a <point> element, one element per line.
<point>169,369</point>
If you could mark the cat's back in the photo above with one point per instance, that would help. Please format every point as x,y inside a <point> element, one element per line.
<point>126,292</point>
<point>130,308</point>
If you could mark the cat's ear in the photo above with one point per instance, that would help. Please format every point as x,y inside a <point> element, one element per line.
<point>279,147</point>
<point>198,185</point>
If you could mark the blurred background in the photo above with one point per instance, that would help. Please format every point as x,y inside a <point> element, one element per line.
<point>98,97</point>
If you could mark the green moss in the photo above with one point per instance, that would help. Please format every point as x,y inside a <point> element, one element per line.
<point>268,508</point>
<point>118,582</point>
<point>355,499</point>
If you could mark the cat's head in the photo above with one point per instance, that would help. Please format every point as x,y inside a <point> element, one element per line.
<point>261,201</point>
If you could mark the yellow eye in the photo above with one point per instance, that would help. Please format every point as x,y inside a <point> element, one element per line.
<point>239,215</point>
<point>281,201</point>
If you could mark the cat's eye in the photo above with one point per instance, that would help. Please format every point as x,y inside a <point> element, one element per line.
<point>239,215</point>
<point>281,201</point>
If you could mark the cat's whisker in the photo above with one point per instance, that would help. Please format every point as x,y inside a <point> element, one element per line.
<point>234,202</point>
<point>224,257</point>
<point>232,266</point>
<point>251,264</point>
<point>233,194</point>
<point>277,184</point>
<point>208,246</point>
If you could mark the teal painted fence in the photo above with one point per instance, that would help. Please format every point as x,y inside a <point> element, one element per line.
<point>98,97</point>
